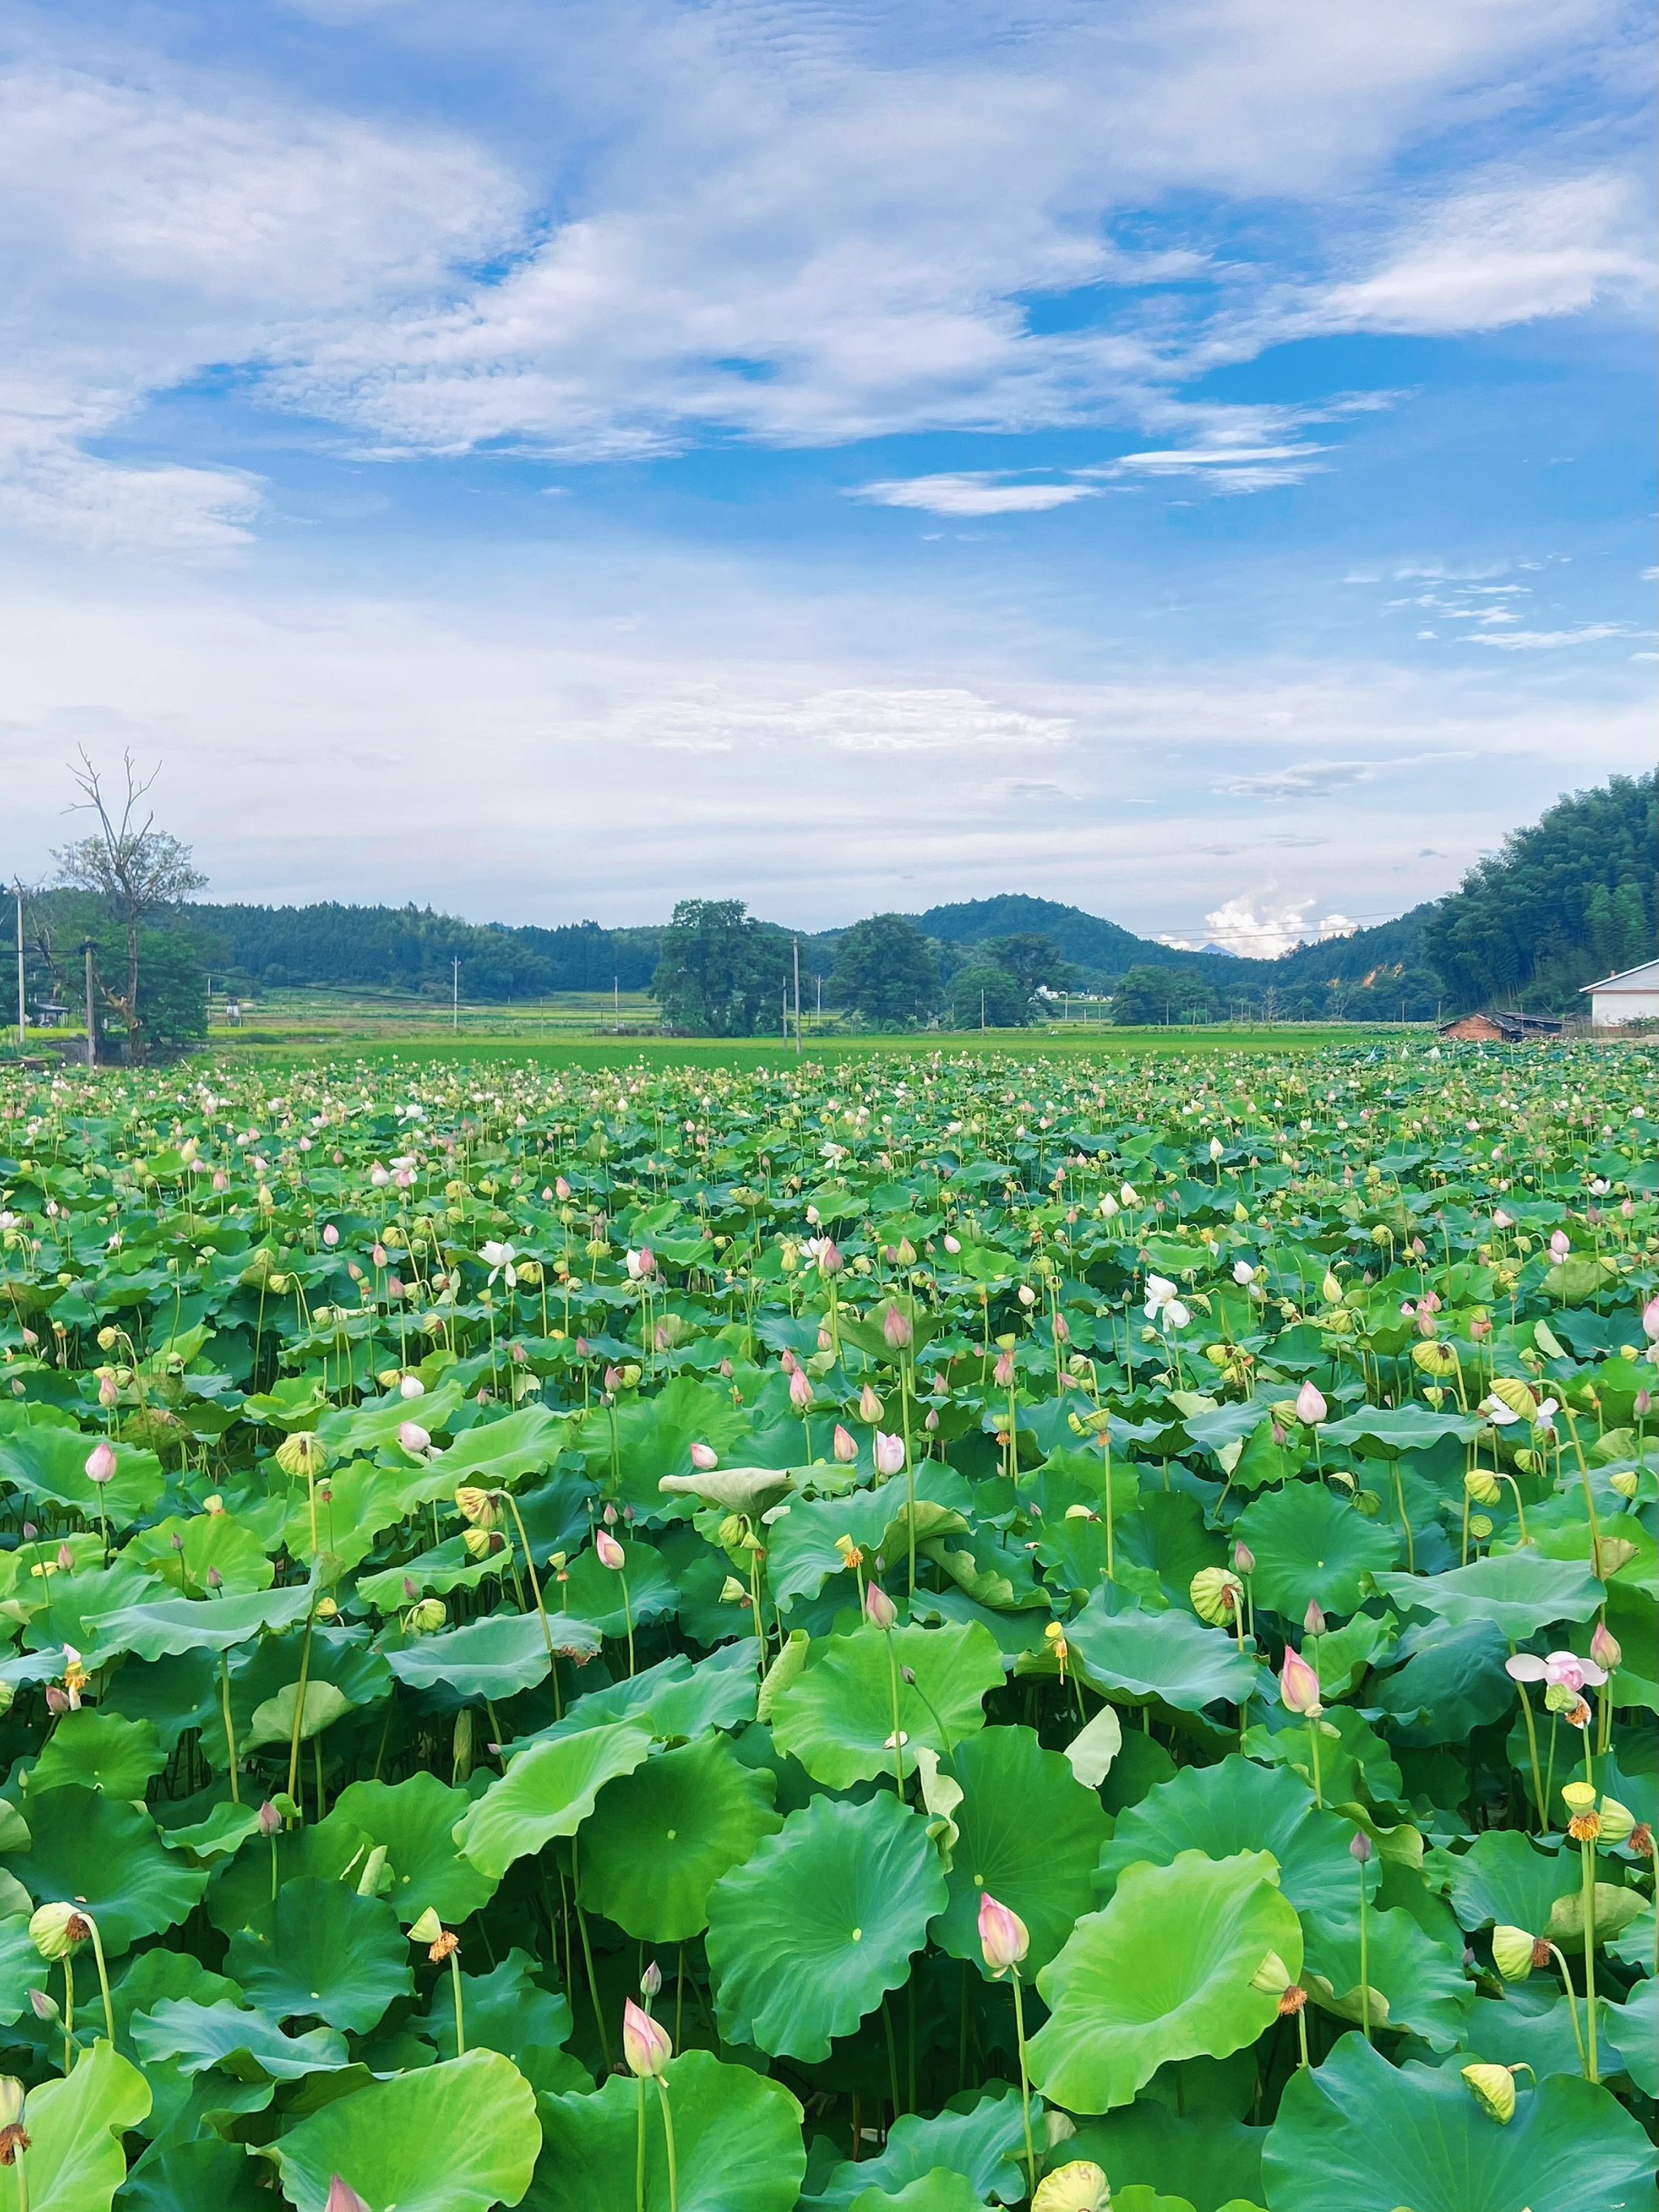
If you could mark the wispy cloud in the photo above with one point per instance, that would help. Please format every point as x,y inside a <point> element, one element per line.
<point>977,493</point>
<point>1547,641</point>
<point>1304,780</point>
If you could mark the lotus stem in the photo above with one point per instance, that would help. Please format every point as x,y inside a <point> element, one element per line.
<point>898,1731</point>
<point>300,1713</point>
<point>668,2144</point>
<point>1593,2070</point>
<point>639,2147</point>
<point>1024,2077</point>
<point>230,1729</point>
<point>1313,1750</point>
<point>69,2015</point>
<point>1572,2006</point>
<point>530,1569</point>
<point>1405,1520</point>
<point>1365,1959</point>
<point>1539,1798</point>
<point>103,1977</point>
<point>461,2017</point>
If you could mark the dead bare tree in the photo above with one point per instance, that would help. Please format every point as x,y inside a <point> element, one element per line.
<point>136,869</point>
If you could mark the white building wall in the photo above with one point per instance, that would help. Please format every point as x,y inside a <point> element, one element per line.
<point>1611,1009</point>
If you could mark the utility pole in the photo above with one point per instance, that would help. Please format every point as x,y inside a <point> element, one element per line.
<point>92,1011</point>
<point>615,1000</point>
<point>982,1012</point>
<point>455,995</point>
<point>22,1006</point>
<point>798,998</point>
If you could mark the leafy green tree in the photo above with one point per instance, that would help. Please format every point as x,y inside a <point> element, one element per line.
<point>1162,994</point>
<point>1566,899</point>
<point>982,986</point>
<point>173,965</point>
<point>886,970</point>
<point>720,972</point>
<point>1035,962</point>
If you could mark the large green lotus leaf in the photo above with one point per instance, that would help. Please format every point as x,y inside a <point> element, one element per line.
<point>151,1977</point>
<point>415,1820</point>
<point>941,2191</point>
<point>1354,1764</point>
<point>1530,2025</point>
<point>51,1463</point>
<point>1167,1655</point>
<point>1312,1546</point>
<point>809,1935</point>
<point>358,1502</point>
<point>183,1552</point>
<point>99,1751</point>
<point>106,1854</point>
<point>1519,1592</point>
<point>436,1571</point>
<point>1358,2134</point>
<point>1504,1877</point>
<point>210,2175</point>
<point>1387,1431</point>
<point>837,1716</point>
<point>493,1658</point>
<point>802,1555</point>
<point>546,1791</point>
<point>506,2010</point>
<point>660,1838</point>
<point>979,2137</point>
<point>1208,2157</point>
<point>1451,1681</point>
<point>595,1594</point>
<point>274,1722</point>
<point>494,1454</point>
<point>1163,1974</point>
<point>241,1893</point>
<point>76,2161</point>
<point>1634,2027</point>
<point>737,2142</point>
<point>21,1967</point>
<point>170,1626</point>
<point>675,1697</point>
<point>331,1954</point>
<point>1422,1982</point>
<point>248,2045</point>
<point>374,1424</point>
<point>1028,1832</point>
<point>462,2136</point>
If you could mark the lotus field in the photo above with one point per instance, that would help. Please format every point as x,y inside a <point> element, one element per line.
<point>935,1632</point>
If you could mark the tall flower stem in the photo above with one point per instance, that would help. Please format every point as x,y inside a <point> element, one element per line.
<point>300,1712</point>
<point>103,1977</point>
<point>1572,2008</point>
<point>898,1732</point>
<point>1313,1749</point>
<point>230,1728</point>
<point>1025,2076</point>
<point>1365,1959</point>
<point>530,1569</point>
<point>668,2145</point>
<point>1593,2069</point>
<point>461,2017</point>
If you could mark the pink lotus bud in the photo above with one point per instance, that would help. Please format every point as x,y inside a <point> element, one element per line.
<point>613,1378</point>
<point>846,1446</point>
<point>1062,1329</point>
<point>890,1453</point>
<point>377,1253</point>
<point>1650,1321</point>
<point>108,1392</point>
<point>870,1407</point>
<point>1003,1936</point>
<point>412,1437</point>
<point>215,1579</point>
<point>65,1558</point>
<point>1560,1246</point>
<point>801,1389</point>
<point>1003,1373</point>
<point>896,1329</point>
<point>341,2197</point>
<point>57,1701</point>
<point>331,1235</point>
<point>726,1371</point>
<point>1298,1685</point>
<point>646,2043</point>
<point>931,1422</point>
<point>221,1182</point>
<point>583,1347</point>
<point>1362,1847</point>
<point>647,1260</point>
<point>610,1551</point>
<point>651,1981</point>
<point>1243,1559</point>
<point>788,1362</point>
<point>1642,1404</point>
<point>704,1456</point>
<point>830,1262</point>
<point>880,1609</point>
<point>1313,1621</point>
<point>1311,1406</point>
<point>1605,1648</point>
<point>270,1819</point>
<point>411,1387</point>
<point>560,1188</point>
<point>100,1463</point>
<point>952,1244</point>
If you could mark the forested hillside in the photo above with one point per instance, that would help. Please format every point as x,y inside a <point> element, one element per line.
<point>1569,899</point>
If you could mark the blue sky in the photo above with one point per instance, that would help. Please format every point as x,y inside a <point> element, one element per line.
<point>1191,457</point>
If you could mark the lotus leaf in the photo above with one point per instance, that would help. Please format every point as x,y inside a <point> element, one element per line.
<point>415,1820</point>
<point>330,1955</point>
<point>1165,1973</point>
<point>1162,1656</point>
<point>76,2159</point>
<point>1028,1832</point>
<point>1312,1546</point>
<point>246,2043</point>
<point>99,1751</point>
<point>547,1791</point>
<point>809,1935</point>
<point>462,2136</point>
<point>106,1855</point>
<point>660,1838</point>
<point>979,2137</point>
<point>494,1657</point>
<point>837,1715</point>
<point>736,2139</point>
<point>1518,1592</point>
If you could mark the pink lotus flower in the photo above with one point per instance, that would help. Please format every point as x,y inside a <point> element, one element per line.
<point>1565,1668</point>
<point>890,1453</point>
<point>331,1235</point>
<point>1605,1648</point>
<point>1003,1373</point>
<point>1311,1406</point>
<point>1560,1246</point>
<point>704,1456</point>
<point>1298,1686</point>
<point>100,1463</point>
<point>846,1446</point>
<point>561,1188</point>
<point>880,1609</point>
<point>610,1551</point>
<point>1003,1936</point>
<point>1650,1321</point>
<point>801,1389</point>
<point>896,1329</point>
<point>413,1438</point>
<point>646,2043</point>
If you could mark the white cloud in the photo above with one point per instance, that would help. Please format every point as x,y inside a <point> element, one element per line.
<point>975,492</point>
<point>1223,468</point>
<point>1259,926</point>
<point>1548,640</point>
<point>854,719</point>
<point>1511,254</point>
<point>1305,779</point>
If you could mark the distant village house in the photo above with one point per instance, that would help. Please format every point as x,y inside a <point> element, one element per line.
<point>1500,1028</point>
<point>1632,996</point>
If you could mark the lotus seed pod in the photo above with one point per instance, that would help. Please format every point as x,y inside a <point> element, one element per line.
<point>1626,1482</point>
<point>1482,1486</point>
<point>303,1453</point>
<point>1494,2090</point>
<point>1579,1797</point>
<point>1618,1821</point>
<point>427,1928</point>
<point>1272,1977</point>
<point>57,1929</point>
<point>1513,1953</point>
<point>1511,1391</point>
